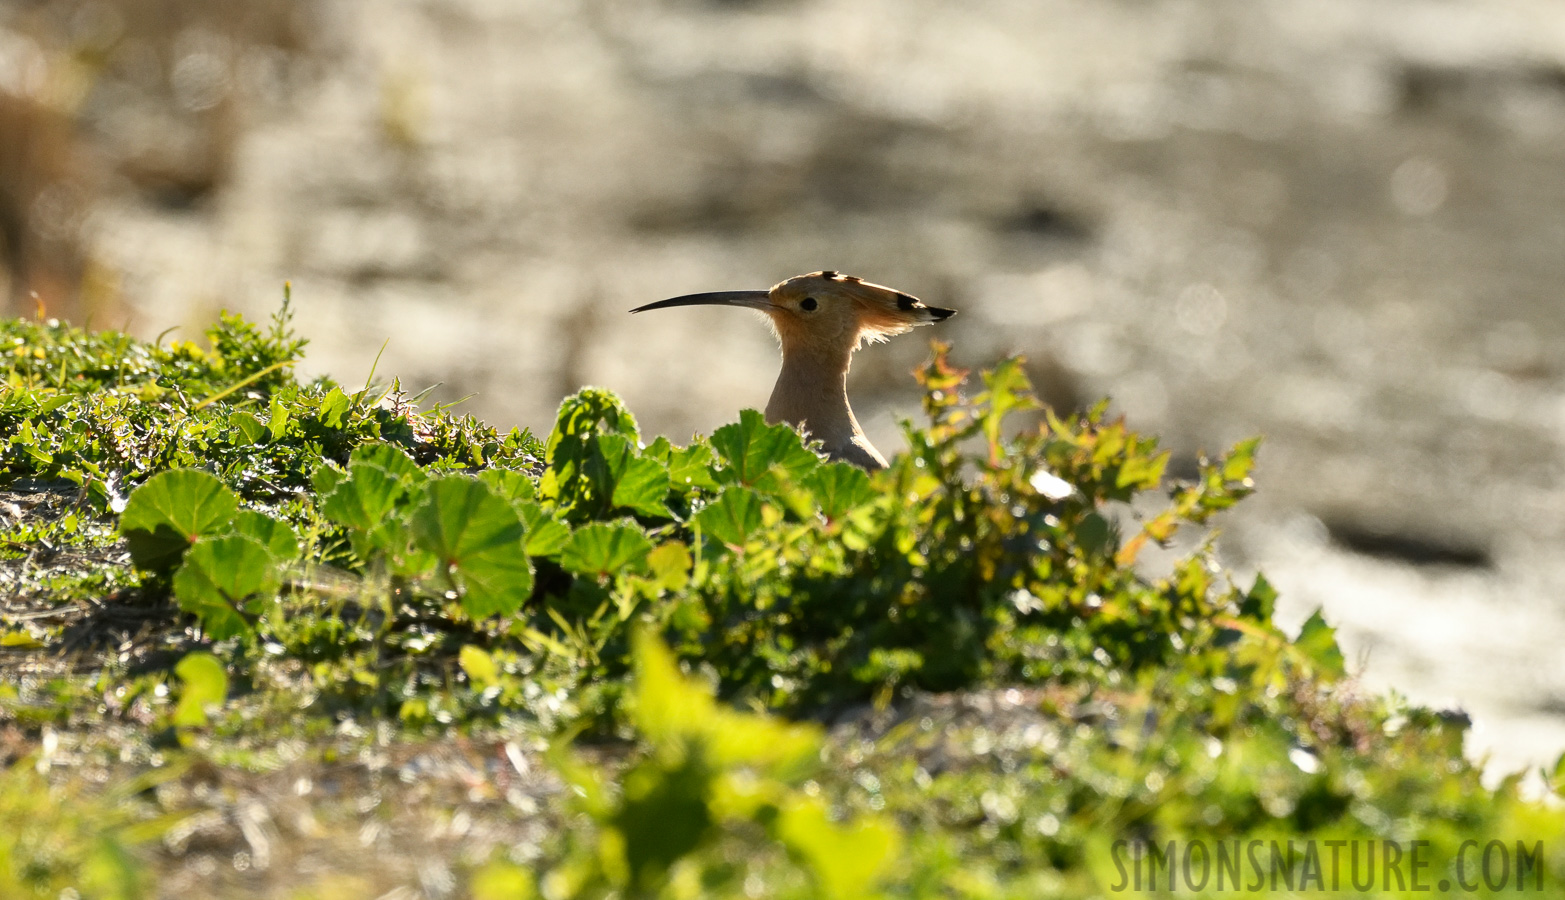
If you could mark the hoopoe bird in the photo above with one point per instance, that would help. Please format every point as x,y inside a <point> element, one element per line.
<point>819,320</point>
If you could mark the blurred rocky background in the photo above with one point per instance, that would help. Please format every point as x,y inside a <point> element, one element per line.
<point>1340,223</point>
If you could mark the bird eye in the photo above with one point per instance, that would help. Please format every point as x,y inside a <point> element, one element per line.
<point>808,304</point>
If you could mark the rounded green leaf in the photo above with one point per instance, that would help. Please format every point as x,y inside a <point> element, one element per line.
<point>364,499</point>
<point>477,537</point>
<point>510,484</point>
<point>602,549</point>
<point>733,518</point>
<point>761,455</point>
<point>171,511</point>
<point>273,534</point>
<point>224,581</point>
<point>838,488</point>
<point>390,457</point>
<point>640,483</point>
<point>546,535</point>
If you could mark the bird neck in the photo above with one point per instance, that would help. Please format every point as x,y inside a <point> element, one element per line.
<point>812,393</point>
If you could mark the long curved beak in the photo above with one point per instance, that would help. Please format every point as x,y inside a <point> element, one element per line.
<point>751,299</point>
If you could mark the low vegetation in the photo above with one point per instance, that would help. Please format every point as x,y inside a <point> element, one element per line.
<point>265,638</point>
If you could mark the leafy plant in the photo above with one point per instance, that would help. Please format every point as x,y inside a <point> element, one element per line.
<point>1013,686</point>
<point>711,783</point>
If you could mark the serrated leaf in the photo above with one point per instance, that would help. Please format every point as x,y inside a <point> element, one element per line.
<point>690,467</point>
<point>509,484</point>
<point>838,488</point>
<point>494,584</point>
<point>1259,601</point>
<point>477,539</point>
<point>277,422</point>
<point>276,536</point>
<point>1008,390</point>
<point>168,513</point>
<point>577,477</point>
<point>761,456</point>
<point>250,427</point>
<point>1318,643</point>
<point>332,407</point>
<point>53,403</point>
<point>606,549</point>
<point>1240,460</point>
<point>223,581</point>
<point>27,439</point>
<point>325,477</point>
<point>393,459</point>
<point>203,683</point>
<point>546,535</point>
<point>1141,472</point>
<point>733,517</point>
<point>639,484</point>
<point>364,499</point>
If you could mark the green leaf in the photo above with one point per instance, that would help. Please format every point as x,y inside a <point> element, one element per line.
<point>479,666</point>
<point>1318,643</point>
<point>670,565</point>
<point>546,535</point>
<point>591,411</point>
<point>604,549</point>
<point>509,484</point>
<point>16,639</point>
<point>275,535</point>
<point>1259,601</point>
<point>325,477</point>
<point>733,517</point>
<point>640,484</point>
<point>839,488</point>
<point>333,405</point>
<point>1142,472</point>
<point>254,432</point>
<point>576,476</point>
<point>1008,391</point>
<point>203,683</point>
<point>28,440</point>
<point>1241,460</point>
<point>365,499</point>
<point>170,512</point>
<point>689,468</point>
<point>845,860</point>
<point>223,582</point>
<point>668,706</point>
<point>277,423</point>
<point>53,403</point>
<point>390,457</point>
<point>672,711</point>
<point>1094,534</point>
<point>761,455</point>
<point>477,537</point>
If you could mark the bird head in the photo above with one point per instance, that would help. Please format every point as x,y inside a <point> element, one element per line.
<point>824,310</point>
